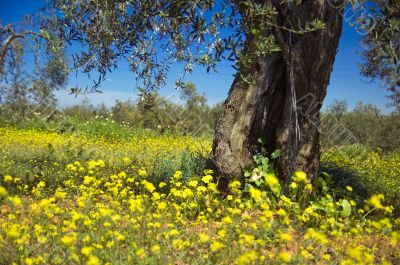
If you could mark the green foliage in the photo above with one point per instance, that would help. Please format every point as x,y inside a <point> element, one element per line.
<point>366,171</point>
<point>187,113</point>
<point>365,125</point>
<point>382,54</point>
<point>28,96</point>
<point>175,31</point>
<point>346,208</point>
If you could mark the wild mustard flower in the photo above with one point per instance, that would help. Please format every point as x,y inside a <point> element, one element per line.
<point>293,185</point>
<point>187,193</point>
<point>148,186</point>
<point>271,179</point>
<point>93,260</point>
<point>284,257</point>
<point>246,239</point>
<point>207,178</point>
<point>395,238</point>
<point>13,231</point>
<point>212,187</point>
<point>375,201</point>
<point>201,189</point>
<point>193,183</point>
<point>72,167</point>
<point>155,249</point>
<point>208,171</point>
<point>300,177</point>
<point>180,244</point>
<point>161,206</point>
<point>8,178</point>
<point>3,192</point>
<point>235,184</point>
<point>247,258</point>
<point>178,175</point>
<point>256,194</point>
<point>204,238</point>
<point>285,237</point>
<point>67,240</point>
<point>142,172</point>
<point>86,251</point>
<point>126,160</point>
<point>326,257</point>
<point>216,246</point>
<point>227,220</point>
<point>273,183</point>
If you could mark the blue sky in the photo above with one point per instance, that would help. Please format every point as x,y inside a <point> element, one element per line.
<point>345,83</point>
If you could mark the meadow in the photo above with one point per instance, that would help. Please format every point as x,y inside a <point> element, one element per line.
<point>102,196</point>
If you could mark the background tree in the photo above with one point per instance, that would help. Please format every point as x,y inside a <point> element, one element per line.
<point>28,91</point>
<point>382,53</point>
<point>27,34</point>
<point>338,108</point>
<point>193,116</point>
<point>16,91</point>
<point>365,124</point>
<point>148,109</point>
<point>51,77</point>
<point>125,112</point>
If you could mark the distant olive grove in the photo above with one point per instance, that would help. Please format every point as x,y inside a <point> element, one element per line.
<point>184,112</point>
<point>187,112</point>
<point>364,124</point>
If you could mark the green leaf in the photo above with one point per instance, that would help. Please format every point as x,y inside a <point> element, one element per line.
<point>277,153</point>
<point>346,208</point>
<point>248,187</point>
<point>259,182</point>
<point>45,34</point>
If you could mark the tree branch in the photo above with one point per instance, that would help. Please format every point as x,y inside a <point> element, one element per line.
<point>9,40</point>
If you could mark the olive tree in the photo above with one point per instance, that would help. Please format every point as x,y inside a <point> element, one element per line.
<point>283,52</point>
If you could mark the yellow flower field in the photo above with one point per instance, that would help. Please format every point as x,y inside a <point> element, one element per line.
<point>70,199</point>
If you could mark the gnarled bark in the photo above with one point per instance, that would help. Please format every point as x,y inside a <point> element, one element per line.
<point>266,109</point>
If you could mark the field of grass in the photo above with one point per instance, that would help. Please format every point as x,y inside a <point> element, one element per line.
<point>144,198</point>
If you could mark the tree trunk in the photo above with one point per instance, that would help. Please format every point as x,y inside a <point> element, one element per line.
<point>283,105</point>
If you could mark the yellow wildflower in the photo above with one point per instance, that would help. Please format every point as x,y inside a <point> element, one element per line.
<point>93,260</point>
<point>207,178</point>
<point>216,245</point>
<point>8,178</point>
<point>300,176</point>
<point>375,201</point>
<point>142,172</point>
<point>3,191</point>
<point>203,238</point>
<point>284,257</point>
<point>86,251</point>
<point>155,249</point>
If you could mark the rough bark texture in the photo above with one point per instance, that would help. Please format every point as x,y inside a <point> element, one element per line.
<point>265,110</point>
